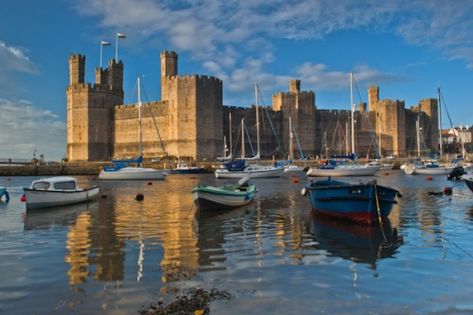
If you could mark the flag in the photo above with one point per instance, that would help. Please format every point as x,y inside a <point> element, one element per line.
<point>121,35</point>
<point>105,43</point>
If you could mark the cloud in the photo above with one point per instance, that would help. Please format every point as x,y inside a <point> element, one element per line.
<point>25,128</point>
<point>14,59</point>
<point>222,34</point>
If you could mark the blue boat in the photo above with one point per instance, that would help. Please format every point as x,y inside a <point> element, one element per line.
<point>4,192</point>
<point>363,203</point>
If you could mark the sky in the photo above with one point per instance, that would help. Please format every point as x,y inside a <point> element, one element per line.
<point>407,47</point>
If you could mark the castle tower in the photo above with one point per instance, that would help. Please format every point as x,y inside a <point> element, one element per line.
<point>168,69</point>
<point>300,106</point>
<point>90,110</point>
<point>76,69</point>
<point>373,97</point>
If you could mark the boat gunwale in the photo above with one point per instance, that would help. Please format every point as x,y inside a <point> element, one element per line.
<point>61,191</point>
<point>221,191</point>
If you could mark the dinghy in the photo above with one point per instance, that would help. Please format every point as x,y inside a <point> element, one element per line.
<point>57,191</point>
<point>363,203</point>
<point>224,197</point>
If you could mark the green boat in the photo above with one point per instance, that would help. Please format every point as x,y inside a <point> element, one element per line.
<point>223,197</point>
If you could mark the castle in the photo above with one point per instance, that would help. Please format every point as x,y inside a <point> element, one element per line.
<point>190,120</point>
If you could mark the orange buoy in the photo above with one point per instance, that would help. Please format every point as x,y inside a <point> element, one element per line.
<point>295,180</point>
<point>429,178</point>
<point>23,198</point>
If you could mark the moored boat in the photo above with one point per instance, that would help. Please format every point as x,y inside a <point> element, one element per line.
<point>468,181</point>
<point>344,170</point>
<point>184,168</point>
<point>239,169</point>
<point>57,191</point>
<point>293,168</point>
<point>363,203</point>
<point>4,192</point>
<point>427,167</point>
<point>124,172</point>
<point>224,197</point>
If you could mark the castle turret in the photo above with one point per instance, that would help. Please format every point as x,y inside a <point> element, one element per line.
<point>101,76</point>
<point>115,75</point>
<point>168,69</point>
<point>373,97</point>
<point>295,86</point>
<point>76,69</point>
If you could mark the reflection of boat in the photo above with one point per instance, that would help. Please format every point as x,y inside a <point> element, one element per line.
<point>64,215</point>
<point>224,197</point>
<point>183,168</point>
<point>468,181</point>
<point>57,191</point>
<point>358,243</point>
<point>121,170</point>
<point>363,203</point>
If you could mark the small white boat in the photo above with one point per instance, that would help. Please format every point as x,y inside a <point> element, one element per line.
<point>132,173</point>
<point>429,167</point>
<point>293,168</point>
<point>344,170</point>
<point>224,197</point>
<point>252,170</point>
<point>57,191</point>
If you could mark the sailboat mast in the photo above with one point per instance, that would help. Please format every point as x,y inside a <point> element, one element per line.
<point>243,138</point>
<point>440,123</point>
<point>230,133</point>
<point>257,121</point>
<point>352,115</point>
<point>291,149</point>
<point>380,148</point>
<point>418,136</point>
<point>139,116</point>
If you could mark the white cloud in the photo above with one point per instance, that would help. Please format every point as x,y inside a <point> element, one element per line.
<point>14,59</point>
<point>25,128</point>
<point>222,34</point>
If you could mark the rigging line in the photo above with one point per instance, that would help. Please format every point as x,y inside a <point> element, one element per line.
<point>236,141</point>
<point>276,136</point>
<point>298,144</point>
<point>249,141</point>
<point>154,122</point>
<point>448,113</point>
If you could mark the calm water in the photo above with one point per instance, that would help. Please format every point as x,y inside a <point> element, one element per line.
<point>115,255</point>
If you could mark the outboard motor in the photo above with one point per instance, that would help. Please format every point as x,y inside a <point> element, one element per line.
<point>456,173</point>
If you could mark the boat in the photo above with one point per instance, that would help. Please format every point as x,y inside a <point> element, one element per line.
<point>468,181</point>
<point>292,167</point>
<point>4,192</point>
<point>57,191</point>
<point>427,167</point>
<point>239,168</point>
<point>184,168</point>
<point>224,197</point>
<point>340,166</point>
<point>121,169</point>
<point>362,203</point>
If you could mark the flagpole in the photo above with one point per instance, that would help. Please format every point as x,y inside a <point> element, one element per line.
<point>101,55</point>
<point>116,48</point>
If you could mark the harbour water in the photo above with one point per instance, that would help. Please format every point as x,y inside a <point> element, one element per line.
<point>117,255</point>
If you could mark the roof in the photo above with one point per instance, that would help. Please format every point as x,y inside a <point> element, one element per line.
<point>56,179</point>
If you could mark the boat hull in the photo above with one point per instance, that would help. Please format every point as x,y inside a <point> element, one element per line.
<point>428,170</point>
<point>133,173</point>
<point>344,171</point>
<point>269,173</point>
<point>352,202</point>
<point>212,198</point>
<point>36,198</point>
<point>468,181</point>
<point>188,171</point>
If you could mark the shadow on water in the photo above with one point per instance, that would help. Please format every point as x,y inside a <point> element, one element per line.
<point>358,243</point>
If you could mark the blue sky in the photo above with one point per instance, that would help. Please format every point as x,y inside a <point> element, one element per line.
<point>406,47</point>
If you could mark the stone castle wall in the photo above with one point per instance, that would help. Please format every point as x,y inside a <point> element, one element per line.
<point>192,120</point>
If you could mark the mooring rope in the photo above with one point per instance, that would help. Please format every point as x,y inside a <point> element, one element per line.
<point>380,219</point>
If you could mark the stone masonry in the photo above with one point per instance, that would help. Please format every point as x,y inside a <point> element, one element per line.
<point>190,120</point>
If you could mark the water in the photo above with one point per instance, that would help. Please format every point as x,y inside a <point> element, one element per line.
<point>116,255</point>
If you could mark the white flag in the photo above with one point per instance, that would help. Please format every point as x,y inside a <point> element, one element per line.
<point>105,43</point>
<point>121,35</point>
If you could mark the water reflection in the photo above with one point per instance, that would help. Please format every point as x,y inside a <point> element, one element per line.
<point>359,243</point>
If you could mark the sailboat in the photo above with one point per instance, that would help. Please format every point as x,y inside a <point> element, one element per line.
<point>335,169</point>
<point>121,171</point>
<point>291,167</point>
<point>425,166</point>
<point>239,168</point>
